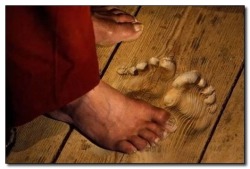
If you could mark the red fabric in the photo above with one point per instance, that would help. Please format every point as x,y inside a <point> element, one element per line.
<point>50,58</point>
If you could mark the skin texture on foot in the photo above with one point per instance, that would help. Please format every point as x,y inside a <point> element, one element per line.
<point>112,25</point>
<point>116,122</point>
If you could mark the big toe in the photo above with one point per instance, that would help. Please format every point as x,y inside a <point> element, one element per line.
<point>123,17</point>
<point>125,147</point>
<point>160,116</point>
<point>165,119</point>
<point>127,31</point>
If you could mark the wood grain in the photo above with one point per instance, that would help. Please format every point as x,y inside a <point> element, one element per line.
<point>79,149</point>
<point>210,40</point>
<point>227,144</point>
<point>46,135</point>
<point>38,141</point>
<point>104,52</point>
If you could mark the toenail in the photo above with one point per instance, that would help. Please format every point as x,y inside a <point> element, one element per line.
<point>134,150</point>
<point>157,140</point>
<point>135,20</point>
<point>171,124</point>
<point>138,27</point>
<point>165,134</point>
<point>148,145</point>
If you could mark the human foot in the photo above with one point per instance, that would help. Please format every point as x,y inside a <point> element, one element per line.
<point>112,25</point>
<point>116,122</point>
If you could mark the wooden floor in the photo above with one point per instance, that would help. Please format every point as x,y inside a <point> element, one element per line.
<point>207,39</point>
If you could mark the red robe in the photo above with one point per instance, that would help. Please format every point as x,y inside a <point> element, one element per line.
<point>50,59</point>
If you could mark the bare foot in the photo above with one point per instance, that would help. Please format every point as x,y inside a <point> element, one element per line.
<point>116,122</point>
<point>112,25</point>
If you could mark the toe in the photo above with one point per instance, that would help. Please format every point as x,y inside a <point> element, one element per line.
<point>160,116</point>
<point>103,8</point>
<point>117,11</point>
<point>113,13</point>
<point>125,147</point>
<point>117,18</point>
<point>138,142</point>
<point>109,10</point>
<point>124,18</point>
<point>127,31</point>
<point>150,136</point>
<point>157,129</point>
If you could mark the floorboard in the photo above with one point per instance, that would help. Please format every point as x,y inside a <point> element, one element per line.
<point>38,141</point>
<point>227,144</point>
<point>207,39</point>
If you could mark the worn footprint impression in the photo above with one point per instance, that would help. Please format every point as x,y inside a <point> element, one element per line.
<point>190,97</point>
<point>150,77</point>
<point>165,62</point>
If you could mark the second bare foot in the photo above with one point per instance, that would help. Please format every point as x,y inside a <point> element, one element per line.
<point>112,25</point>
<point>116,122</point>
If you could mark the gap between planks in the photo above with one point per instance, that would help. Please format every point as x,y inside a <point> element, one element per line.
<point>223,107</point>
<point>115,49</point>
<point>230,88</point>
<point>62,145</point>
<point>101,75</point>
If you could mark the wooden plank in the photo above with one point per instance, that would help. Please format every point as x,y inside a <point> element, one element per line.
<point>208,39</point>
<point>208,55</point>
<point>227,144</point>
<point>104,52</point>
<point>79,149</point>
<point>26,150</point>
<point>38,141</point>
<point>74,151</point>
